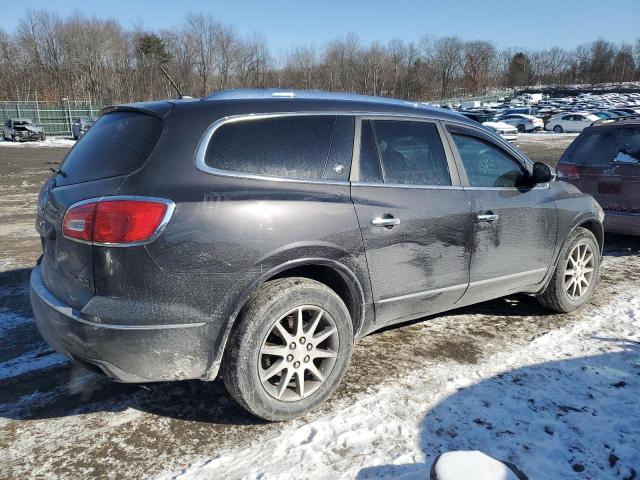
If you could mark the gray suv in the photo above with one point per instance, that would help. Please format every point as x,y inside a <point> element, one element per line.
<point>259,234</point>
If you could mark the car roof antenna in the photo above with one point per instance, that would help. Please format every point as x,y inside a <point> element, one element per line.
<point>173,84</point>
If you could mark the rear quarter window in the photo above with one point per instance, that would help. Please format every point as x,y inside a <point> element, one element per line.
<point>117,144</point>
<point>288,146</point>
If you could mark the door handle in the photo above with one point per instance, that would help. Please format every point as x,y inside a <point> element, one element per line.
<point>488,217</point>
<point>386,221</point>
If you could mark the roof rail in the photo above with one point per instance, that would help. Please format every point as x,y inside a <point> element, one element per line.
<point>609,121</point>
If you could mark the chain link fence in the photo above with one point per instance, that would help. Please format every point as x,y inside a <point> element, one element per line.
<point>56,118</point>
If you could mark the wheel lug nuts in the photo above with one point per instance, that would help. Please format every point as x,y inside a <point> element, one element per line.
<point>306,359</point>
<point>302,340</point>
<point>289,358</point>
<point>296,364</point>
<point>309,346</point>
<point>292,346</point>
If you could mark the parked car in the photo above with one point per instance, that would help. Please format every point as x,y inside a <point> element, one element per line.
<point>505,130</point>
<point>532,97</point>
<point>604,115</point>
<point>604,161</point>
<point>524,123</point>
<point>570,122</point>
<point>629,111</point>
<point>22,130</point>
<point>80,126</point>
<point>281,227</point>
<point>522,110</point>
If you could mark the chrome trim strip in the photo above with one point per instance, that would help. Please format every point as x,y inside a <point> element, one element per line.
<point>507,277</point>
<point>541,186</point>
<point>48,298</point>
<point>208,134</point>
<point>409,185</point>
<point>425,293</point>
<point>171,206</point>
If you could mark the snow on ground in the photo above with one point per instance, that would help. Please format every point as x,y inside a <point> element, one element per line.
<point>49,142</point>
<point>565,405</point>
<point>545,135</point>
<point>31,361</point>
<point>10,320</point>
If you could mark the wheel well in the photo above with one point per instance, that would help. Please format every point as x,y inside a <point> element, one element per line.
<point>336,281</point>
<point>597,230</point>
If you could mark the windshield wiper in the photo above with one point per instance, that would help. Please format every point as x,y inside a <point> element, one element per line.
<point>58,172</point>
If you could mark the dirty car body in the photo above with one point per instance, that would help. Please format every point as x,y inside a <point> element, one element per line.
<point>259,186</point>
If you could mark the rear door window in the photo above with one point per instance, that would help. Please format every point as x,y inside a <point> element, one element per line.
<point>118,144</point>
<point>411,153</point>
<point>287,146</point>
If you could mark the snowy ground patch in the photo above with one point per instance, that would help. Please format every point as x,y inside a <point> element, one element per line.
<point>565,404</point>
<point>545,135</point>
<point>31,361</point>
<point>10,320</point>
<point>49,142</point>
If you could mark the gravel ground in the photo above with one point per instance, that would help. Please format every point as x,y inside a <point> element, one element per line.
<point>60,421</point>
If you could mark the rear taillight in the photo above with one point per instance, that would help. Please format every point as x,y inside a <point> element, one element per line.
<point>529,121</point>
<point>117,220</point>
<point>568,171</point>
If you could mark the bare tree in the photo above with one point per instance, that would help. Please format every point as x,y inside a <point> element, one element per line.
<point>87,57</point>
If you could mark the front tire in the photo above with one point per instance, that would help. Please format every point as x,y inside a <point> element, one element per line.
<point>289,350</point>
<point>576,274</point>
<point>521,129</point>
<point>558,129</point>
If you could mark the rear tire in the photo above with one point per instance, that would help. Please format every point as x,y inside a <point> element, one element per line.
<point>287,383</point>
<point>521,129</point>
<point>558,129</point>
<point>579,262</point>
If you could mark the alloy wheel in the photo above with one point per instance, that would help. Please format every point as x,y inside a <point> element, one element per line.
<point>578,273</point>
<point>298,353</point>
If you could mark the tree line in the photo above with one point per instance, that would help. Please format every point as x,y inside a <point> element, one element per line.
<point>82,57</point>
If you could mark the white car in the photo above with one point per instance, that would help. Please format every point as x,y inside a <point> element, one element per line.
<point>571,122</point>
<point>523,122</point>
<point>506,131</point>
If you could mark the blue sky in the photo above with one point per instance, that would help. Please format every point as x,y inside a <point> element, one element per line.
<point>285,23</point>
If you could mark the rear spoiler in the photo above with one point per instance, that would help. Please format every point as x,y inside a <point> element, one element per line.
<point>157,109</point>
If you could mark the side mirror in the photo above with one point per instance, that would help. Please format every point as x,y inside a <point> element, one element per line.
<point>542,173</point>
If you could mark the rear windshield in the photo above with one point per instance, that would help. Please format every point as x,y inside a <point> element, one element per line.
<point>600,147</point>
<point>117,144</point>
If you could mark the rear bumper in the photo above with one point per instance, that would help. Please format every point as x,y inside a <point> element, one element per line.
<point>624,223</point>
<point>125,353</point>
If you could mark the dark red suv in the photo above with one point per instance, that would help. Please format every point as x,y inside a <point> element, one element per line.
<point>604,161</point>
